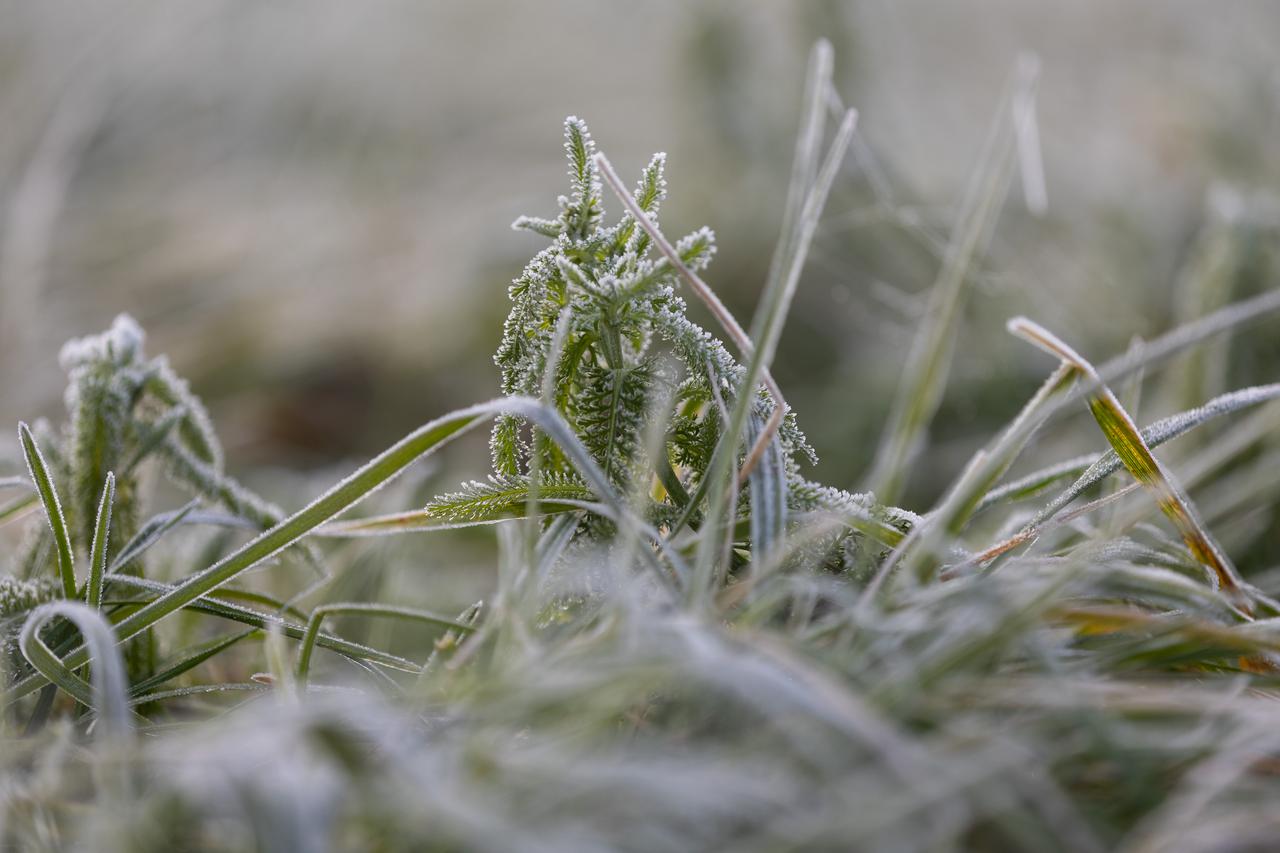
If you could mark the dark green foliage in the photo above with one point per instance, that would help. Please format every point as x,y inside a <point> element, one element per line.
<point>122,409</point>
<point>628,342</point>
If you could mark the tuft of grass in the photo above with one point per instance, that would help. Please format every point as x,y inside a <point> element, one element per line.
<point>690,645</point>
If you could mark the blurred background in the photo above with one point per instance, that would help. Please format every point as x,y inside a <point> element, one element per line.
<point>307,204</point>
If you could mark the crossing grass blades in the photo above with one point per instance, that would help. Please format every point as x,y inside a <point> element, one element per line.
<point>692,643</point>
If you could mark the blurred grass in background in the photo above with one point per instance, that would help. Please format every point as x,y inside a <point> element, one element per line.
<point>307,203</point>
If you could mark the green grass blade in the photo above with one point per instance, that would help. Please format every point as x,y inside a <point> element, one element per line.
<point>769,320</point>
<point>98,553</point>
<point>808,144</point>
<point>198,690</point>
<point>52,509</point>
<point>224,609</point>
<point>187,660</point>
<point>149,534</point>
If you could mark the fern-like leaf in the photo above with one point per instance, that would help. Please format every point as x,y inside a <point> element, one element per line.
<point>500,497</point>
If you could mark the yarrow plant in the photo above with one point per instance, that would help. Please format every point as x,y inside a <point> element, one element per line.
<point>598,327</point>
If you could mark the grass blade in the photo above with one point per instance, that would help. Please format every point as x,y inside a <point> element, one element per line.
<point>770,317</point>
<point>1126,440</point>
<point>108,695</point>
<point>150,533</point>
<point>1156,434</point>
<point>224,609</point>
<point>925,375</point>
<point>187,660</point>
<point>15,509</point>
<point>52,509</point>
<point>768,483</point>
<point>98,553</point>
<point>198,690</point>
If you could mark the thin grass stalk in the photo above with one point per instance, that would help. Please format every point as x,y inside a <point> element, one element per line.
<point>98,552</point>
<point>926,371</point>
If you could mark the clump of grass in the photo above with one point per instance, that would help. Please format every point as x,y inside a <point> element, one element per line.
<point>692,644</point>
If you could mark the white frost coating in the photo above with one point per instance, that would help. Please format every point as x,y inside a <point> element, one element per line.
<point>122,343</point>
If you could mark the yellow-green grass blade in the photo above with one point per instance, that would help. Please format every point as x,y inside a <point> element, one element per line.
<point>1133,452</point>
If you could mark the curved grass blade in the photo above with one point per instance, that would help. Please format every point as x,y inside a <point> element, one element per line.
<point>1126,440</point>
<point>98,553</point>
<point>107,696</point>
<point>52,509</point>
